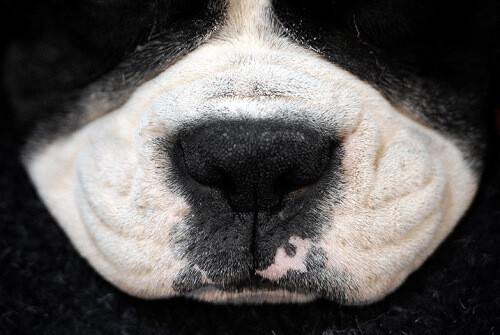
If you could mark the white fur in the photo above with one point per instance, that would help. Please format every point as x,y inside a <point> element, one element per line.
<point>406,185</point>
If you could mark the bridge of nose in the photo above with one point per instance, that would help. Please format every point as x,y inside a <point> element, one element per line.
<point>255,163</point>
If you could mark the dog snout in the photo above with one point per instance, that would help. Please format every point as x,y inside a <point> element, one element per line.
<point>255,164</point>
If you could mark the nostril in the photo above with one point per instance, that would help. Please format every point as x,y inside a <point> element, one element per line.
<point>255,164</point>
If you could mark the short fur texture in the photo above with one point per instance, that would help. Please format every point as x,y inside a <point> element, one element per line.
<point>47,288</point>
<point>408,143</point>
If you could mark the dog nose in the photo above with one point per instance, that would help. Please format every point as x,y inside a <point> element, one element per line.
<point>255,164</point>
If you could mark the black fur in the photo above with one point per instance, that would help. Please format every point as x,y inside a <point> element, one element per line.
<point>435,59</point>
<point>85,52</point>
<point>45,287</point>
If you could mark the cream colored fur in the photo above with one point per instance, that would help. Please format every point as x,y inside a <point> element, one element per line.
<point>405,185</point>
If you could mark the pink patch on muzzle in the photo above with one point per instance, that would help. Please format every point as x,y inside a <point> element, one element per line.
<point>284,263</point>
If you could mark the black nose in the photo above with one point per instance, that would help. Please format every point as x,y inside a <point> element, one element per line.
<point>256,163</point>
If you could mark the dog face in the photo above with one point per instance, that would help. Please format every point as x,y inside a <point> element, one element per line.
<point>257,150</point>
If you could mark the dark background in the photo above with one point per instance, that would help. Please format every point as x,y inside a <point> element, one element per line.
<point>47,288</point>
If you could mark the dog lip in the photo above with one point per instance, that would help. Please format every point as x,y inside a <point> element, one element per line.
<point>213,294</point>
<point>255,283</point>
